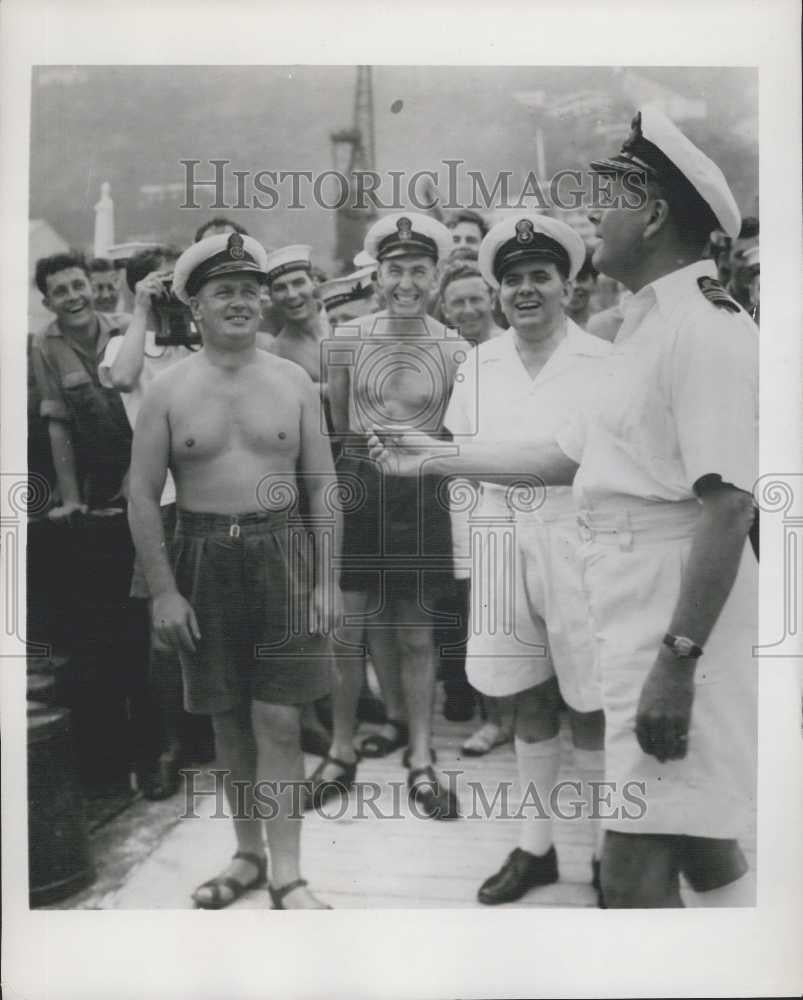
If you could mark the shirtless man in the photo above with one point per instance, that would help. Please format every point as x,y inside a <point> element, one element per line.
<point>227,421</point>
<point>401,370</point>
<point>304,322</point>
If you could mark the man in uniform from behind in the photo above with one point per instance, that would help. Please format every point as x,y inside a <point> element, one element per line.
<point>233,424</point>
<point>663,470</point>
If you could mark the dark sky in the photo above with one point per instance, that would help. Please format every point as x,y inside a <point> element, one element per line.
<point>132,126</point>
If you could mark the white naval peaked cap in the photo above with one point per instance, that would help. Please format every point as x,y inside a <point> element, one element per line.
<point>363,259</point>
<point>529,237</point>
<point>349,288</point>
<point>297,257</point>
<point>227,253</point>
<point>657,146</point>
<point>752,257</point>
<point>405,233</point>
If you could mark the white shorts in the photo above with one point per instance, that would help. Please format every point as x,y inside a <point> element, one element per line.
<point>632,566</point>
<point>529,618</point>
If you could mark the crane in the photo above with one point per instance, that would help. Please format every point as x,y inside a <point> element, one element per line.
<point>354,151</point>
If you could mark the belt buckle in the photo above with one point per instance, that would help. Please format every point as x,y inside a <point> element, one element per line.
<point>234,530</point>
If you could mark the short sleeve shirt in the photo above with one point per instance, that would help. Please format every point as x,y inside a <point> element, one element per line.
<point>496,399</point>
<point>60,362</point>
<point>677,399</point>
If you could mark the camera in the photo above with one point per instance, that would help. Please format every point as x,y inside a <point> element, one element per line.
<point>174,322</point>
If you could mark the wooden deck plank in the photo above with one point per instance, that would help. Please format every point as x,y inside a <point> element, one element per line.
<point>366,862</point>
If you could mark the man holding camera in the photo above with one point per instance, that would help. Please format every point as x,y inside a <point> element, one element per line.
<point>130,363</point>
<point>234,424</point>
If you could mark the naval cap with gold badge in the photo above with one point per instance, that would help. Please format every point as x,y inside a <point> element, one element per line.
<point>227,253</point>
<point>530,237</point>
<point>297,257</point>
<point>408,234</point>
<point>657,148</point>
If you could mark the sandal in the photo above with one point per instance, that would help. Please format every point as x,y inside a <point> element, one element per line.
<point>434,801</point>
<point>406,757</point>
<point>237,889</point>
<point>378,745</point>
<point>321,789</point>
<point>277,895</point>
<point>485,739</point>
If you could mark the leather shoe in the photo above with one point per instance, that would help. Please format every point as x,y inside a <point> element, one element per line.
<point>521,872</point>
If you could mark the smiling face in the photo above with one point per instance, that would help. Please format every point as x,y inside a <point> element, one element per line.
<point>69,296</point>
<point>406,284</point>
<point>467,306</point>
<point>104,290</point>
<point>294,295</point>
<point>533,295</point>
<point>228,309</point>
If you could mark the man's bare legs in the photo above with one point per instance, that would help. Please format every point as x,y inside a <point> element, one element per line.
<point>237,758</point>
<point>386,659</point>
<point>349,664</point>
<point>417,661</point>
<point>262,747</point>
<point>279,762</point>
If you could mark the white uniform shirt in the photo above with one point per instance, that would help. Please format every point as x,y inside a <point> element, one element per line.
<point>496,399</point>
<point>677,399</point>
<point>156,360</point>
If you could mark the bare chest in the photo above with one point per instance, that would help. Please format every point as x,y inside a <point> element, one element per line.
<point>402,381</point>
<point>256,418</point>
<point>305,352</point>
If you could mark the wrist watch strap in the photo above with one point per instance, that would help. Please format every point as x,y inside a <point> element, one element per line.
<point>682,646</point>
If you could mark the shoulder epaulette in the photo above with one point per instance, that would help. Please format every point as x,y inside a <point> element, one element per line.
<point>717,294</point>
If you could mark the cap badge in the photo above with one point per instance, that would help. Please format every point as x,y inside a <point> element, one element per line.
<point>404,228</point>
<point>635,134</point>
<point>525,231</point>
<point>236,247</point>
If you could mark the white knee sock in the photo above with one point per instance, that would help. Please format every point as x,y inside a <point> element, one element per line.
<point>741,892</point>
<point>538,766</point>
<point>590,766</point>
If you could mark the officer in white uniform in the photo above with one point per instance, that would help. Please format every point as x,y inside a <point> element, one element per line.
<point>529,635</point>
<point>663,471</point>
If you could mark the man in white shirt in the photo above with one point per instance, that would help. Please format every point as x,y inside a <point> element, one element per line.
<point>663,472</point>
<point>533,644</point>
<point>130,363</point>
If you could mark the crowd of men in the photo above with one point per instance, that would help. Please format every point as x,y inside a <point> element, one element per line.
<point>596,404</point>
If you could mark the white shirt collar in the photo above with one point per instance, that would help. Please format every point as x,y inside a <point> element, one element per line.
<point>666,292</point>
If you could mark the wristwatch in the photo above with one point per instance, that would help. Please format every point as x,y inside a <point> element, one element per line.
<point>683,647</point>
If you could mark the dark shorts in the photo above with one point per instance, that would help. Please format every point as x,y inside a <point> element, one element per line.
<point>397,533</point>
<point>247,581</point>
